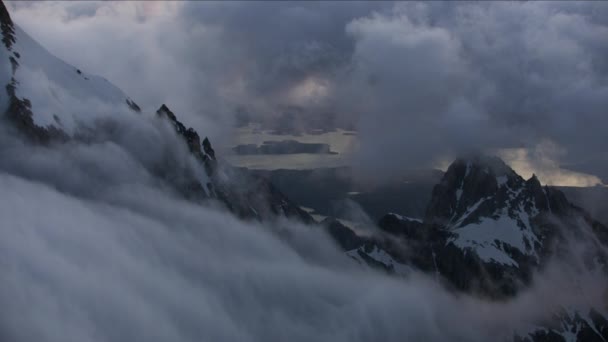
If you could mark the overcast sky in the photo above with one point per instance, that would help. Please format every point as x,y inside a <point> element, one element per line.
<point>420,81</point>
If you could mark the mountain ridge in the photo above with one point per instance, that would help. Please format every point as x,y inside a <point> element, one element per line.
<point>50,102</point>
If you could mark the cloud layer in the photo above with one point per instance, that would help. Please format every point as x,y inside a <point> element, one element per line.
<point>420,81</point>
<point>118,257</point>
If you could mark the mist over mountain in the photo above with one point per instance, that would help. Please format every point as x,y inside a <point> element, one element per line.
<point>426,80</point>
<point>122,220</point>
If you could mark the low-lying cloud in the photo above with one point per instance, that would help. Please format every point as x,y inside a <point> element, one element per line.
<point>94,246</point>
<point>156,268</point>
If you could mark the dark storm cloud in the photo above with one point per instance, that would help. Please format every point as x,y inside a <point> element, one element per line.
<point>421,81</point>
<point>451,78</point>
<point>285,41</point>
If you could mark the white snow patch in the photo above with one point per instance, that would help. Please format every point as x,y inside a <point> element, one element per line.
<point>60,96</point>
<point>469,211</point>
<point>501,180</point>
<point>487,237</point>
<point>405,218</point>
<point>570,331</point>
<point>528,233</point>
<point>514,193</point>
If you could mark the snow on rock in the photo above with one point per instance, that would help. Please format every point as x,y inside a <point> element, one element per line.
<point>405,218</point>
<point>469,211</point>
<point>501,180</point>
<point>379,255</point>
<point>488,238</point>
<point>60,94</point>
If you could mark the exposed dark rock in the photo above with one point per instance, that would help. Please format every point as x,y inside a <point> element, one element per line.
<point>14,64</point>
<point>344,236</point>
<point>132,105</point>
<point>19,113</point>
<point>208,149</point>
<point>6,25</point>
<point>396,225</point>
<point>242,193</point>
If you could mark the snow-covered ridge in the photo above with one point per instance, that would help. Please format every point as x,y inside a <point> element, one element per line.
<point>59,95</point>
<point>48,100</point>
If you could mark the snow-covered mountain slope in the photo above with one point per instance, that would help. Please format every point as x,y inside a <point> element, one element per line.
<point>48,100</point>
<point>58,95</point>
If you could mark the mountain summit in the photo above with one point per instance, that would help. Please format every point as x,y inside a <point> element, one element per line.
<point>486,232</point>
<point>482,196</point>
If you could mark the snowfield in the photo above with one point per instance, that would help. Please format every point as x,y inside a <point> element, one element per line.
<point>61,95</point>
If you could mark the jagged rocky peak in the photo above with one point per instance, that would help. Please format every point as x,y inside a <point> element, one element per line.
<point>486,186</point>
<point>208,149</point>
<point>164,110</point>
<point>207,154</point>
<point>466,182</point>
<point>6,25</point>
<point>130,102</point>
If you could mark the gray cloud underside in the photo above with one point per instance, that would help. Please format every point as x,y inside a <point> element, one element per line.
<point>419,80</point>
